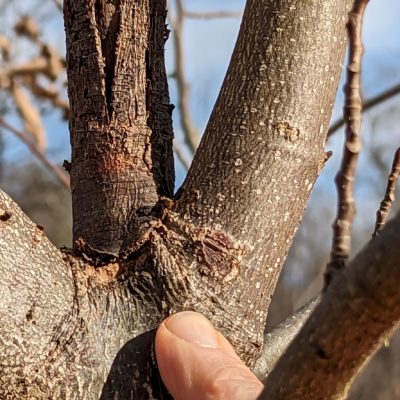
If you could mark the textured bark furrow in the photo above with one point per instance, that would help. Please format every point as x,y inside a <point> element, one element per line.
<point>121,131</point>
<point>107,21</point>
<point>37,298</point>
<point>264,145</point>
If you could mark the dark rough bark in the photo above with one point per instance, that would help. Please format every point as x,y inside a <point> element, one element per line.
<point>121,130</point>
<point>357,311</point>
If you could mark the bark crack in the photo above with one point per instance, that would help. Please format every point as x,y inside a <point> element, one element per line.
<point>108,22</point>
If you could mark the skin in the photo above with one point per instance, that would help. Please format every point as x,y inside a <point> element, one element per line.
<point>197,362</point>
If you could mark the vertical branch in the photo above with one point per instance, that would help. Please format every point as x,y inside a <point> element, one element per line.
<point>261,153</point>
<point>190,132</point>
<point>120,123</point>
<point>384,209</point>
<point>341,243</point>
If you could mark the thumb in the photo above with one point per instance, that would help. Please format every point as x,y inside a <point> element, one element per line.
<point>197,363</point>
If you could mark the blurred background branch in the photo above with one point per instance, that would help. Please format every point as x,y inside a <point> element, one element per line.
<point>367,105</point>
<point>37,152</point>
<point>58,4</point>
<point>212,14</point>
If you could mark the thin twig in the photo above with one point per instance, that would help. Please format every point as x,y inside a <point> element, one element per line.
<point>386,203</point>
<point>213,14</point>
<point>53,168</point>
<point>341,243</point>
<point>181,155</point>
<point>367,105</point>
<point>191,134</point>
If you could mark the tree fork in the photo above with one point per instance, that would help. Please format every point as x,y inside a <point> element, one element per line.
<point>217,248</point>
<point>120,120</point>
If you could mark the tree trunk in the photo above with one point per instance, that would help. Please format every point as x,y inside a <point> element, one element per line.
<point>80,324</point>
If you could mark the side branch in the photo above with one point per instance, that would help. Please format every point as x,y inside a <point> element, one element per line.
<point>263,147</point>
<point>358,310</point>
<point>367,105</point>
<point>384,209</point>
<point>278,340</point>
<point>341,242</point>
<point>36,299</point>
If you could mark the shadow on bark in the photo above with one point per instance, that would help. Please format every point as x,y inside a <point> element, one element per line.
<point>127,380</point>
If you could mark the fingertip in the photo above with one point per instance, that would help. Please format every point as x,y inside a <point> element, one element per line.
<point>197,362</point>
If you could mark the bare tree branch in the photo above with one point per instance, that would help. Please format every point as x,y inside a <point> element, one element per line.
<point>367,105</point>
<point>105,163</point>
<point>212,14</point>
<point>357,311</point>
<point>384,209</point>
<point>191,134</point>
<point>341,242</point>
<point>258,159</point>
<point>48,93</point>
<point>27,139</point>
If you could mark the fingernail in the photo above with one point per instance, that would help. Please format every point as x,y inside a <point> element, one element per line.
<point>193,328</point>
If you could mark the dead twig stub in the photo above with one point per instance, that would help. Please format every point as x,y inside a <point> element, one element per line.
<point>341,243</point>
<point>386,204</point>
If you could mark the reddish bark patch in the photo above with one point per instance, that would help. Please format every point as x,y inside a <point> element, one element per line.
<point>103,275</point>
<point>219,257</point>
